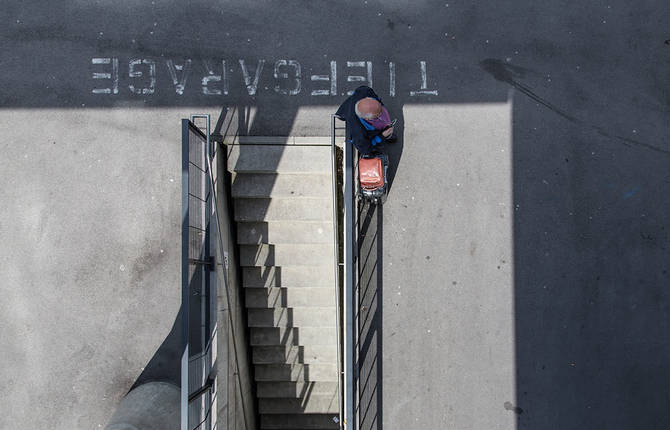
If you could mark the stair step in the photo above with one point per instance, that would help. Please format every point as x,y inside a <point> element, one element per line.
<point>289,276</point>
<point>254,233</point>
<point>313,336</point>
<point>299,421</point>
<point>279,159</point>
<point>296,389</point>
<point>312,404</point>
<point>261,277</point>
<point>283,297</point>
<point>268,336</point>
<point>286,254</point>
<point>292,317</point>
<point>298,209</point>
<point>292,354</point>
<point>283,140</point>
<point>264,185</point>
<point>296,372</point>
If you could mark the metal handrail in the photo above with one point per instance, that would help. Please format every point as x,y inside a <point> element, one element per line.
<point>349,304</point>
<point>336,255</point>
<point>353,265</point>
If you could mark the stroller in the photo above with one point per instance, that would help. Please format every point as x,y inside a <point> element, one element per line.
<point>372,177</point>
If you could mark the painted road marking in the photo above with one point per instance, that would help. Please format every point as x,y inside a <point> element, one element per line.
<point>141,77</point>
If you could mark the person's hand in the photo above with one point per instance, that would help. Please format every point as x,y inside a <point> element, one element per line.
<point>387,132</point>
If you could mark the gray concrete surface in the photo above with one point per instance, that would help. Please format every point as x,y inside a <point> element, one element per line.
<point>437,294</point>
<point>90,228</point>
<point>589,127</point>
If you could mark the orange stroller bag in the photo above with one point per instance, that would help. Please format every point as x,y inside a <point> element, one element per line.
<point>371,173</point>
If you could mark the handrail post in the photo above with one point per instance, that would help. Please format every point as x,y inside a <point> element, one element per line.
<point>349,282</point>
<point>336,267</point>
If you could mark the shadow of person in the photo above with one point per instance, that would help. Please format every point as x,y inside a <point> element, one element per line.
<point>394,150</point>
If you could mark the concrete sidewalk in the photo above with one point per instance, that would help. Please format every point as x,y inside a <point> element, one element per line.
<point>91,220</point>
<point>437,319</point>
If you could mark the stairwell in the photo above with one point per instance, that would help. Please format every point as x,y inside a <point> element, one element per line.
<point>283,207</point>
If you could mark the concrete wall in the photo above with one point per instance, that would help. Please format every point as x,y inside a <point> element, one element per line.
<point>236,399</point>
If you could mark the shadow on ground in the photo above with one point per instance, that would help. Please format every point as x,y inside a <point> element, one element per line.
<point>370,291</point>
<point>590,164</point>
<point>165,365</point>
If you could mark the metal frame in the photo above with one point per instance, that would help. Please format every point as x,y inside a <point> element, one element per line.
<point>208,287</point>
<point>336,257</point>
<point>185,125</point>
<point>350,273</point>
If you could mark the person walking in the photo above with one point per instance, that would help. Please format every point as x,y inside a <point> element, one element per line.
<point>368,123</point>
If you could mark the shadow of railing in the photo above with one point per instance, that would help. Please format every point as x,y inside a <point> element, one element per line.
<point>370,305</point>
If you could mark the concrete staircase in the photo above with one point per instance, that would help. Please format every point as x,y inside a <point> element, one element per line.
<point>283,209</point>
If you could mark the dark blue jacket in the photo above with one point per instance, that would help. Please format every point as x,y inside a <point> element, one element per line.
<point>363,139</point>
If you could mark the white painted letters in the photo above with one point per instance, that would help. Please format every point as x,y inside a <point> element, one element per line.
<point>332,78</point>
<point>143,78</point>
<point>179,84</point>
<point>251,86</point>
<point>133,73</point>
<point>424,83</point>
<point>284,75</point>
<point>213,77</point>
<point>114,76</point>
<point>354,78</point>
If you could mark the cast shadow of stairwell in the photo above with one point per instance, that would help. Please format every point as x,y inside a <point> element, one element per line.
<point>165,365</point>
<point>369,348</point>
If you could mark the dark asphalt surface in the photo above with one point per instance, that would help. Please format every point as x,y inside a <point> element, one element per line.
<point>590,145</point>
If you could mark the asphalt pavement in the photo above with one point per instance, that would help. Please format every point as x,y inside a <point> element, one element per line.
<point>552,117</point>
